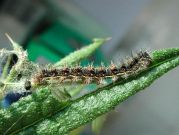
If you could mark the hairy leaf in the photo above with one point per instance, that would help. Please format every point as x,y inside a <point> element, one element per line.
<point>42,102</point>
<point>92,105</point>
<point>42,114</point>
<point>83,53</point>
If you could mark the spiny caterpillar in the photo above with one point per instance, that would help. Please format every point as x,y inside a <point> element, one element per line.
<point>90,74</point>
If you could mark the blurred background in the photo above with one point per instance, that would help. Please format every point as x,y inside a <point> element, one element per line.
<point>51,29</point>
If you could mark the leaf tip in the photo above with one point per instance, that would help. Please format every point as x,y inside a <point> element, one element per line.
<point>102,39</point>
<point>13,43</point>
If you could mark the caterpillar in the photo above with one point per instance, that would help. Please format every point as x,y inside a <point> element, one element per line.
<point>81,75</point>
<point>91,74</point>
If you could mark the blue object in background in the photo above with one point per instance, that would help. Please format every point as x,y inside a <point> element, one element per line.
<point>12,97</point>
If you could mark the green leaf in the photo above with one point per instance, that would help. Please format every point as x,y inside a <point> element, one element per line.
<point>97,103</point>
<point>29,110</point>
<point>42,114</point>
<point>81,54</point>
<point>29,106</point>
<point>5,69</point>
<point>98,123</point>
<point>15,45</point>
